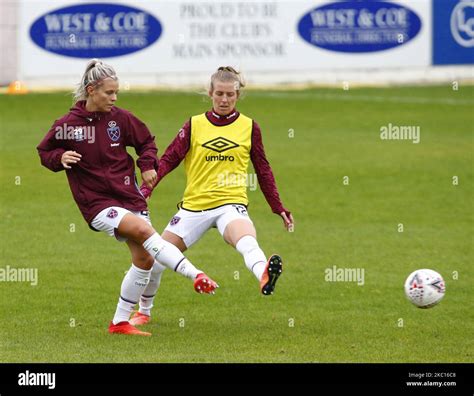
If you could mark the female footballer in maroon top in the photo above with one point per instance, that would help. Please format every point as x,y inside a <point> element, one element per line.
<point>216,147</point>
<point>90,144</point>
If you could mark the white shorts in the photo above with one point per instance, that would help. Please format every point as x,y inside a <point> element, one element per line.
<point>191,226</point>
<point>109,219</point>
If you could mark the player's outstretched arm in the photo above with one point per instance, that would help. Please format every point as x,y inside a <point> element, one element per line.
<point>288,221</point>
<point>266,180</point>
<point>172,157</point>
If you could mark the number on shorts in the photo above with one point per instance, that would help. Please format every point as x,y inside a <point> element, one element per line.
<point>241,209</point>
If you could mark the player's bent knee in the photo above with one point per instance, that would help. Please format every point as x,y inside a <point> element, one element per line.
<point>143,232</point>
<point>174,240</point>
<point>136,229</point>
<point>143,262</point>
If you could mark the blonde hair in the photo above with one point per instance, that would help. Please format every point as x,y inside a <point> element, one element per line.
<point>96,72</point>
<point>227,74</point>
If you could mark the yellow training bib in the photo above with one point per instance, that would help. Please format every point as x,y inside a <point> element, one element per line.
<point>216,163</point>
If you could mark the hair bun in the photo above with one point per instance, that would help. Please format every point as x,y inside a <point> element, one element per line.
<point>92,63</point>
<point>229,69</point>
<point>227,74</point>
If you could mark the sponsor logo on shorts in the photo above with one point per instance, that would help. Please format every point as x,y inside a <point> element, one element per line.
<point>175,220</point>
<point>112,213</point>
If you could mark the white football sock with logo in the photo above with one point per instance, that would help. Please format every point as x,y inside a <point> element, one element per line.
<point>146,299</point>
<point>169,255</point>
<point>133,285</point>
<point>254,257</point>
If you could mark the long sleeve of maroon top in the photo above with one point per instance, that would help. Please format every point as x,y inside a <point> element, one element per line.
<point>178,148</point>
<point>175,152</point>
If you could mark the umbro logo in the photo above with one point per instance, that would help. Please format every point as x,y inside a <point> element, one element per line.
<point>220,144</point>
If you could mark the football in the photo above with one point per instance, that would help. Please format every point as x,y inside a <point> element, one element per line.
<point>425,288</point>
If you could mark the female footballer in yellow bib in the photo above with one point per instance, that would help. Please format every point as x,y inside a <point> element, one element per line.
<point>216,147</point>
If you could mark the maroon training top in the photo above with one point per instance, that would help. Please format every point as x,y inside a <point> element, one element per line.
<point>105,176</point>
<point>178,148</point>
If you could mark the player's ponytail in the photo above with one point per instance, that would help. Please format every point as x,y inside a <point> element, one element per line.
<point>228,74</point>
<point>96,71</point>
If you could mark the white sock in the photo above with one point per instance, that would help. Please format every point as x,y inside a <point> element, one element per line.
<point>133,285</point>
<point>168,254</point>
<point>254,257</point>
<point>186,269</point>
<point>146,299</point>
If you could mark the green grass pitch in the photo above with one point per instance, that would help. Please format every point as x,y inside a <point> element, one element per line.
<point>313,138</point>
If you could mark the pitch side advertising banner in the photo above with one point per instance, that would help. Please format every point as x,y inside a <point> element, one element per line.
<point>453,32</point>
<point>150,37</point>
